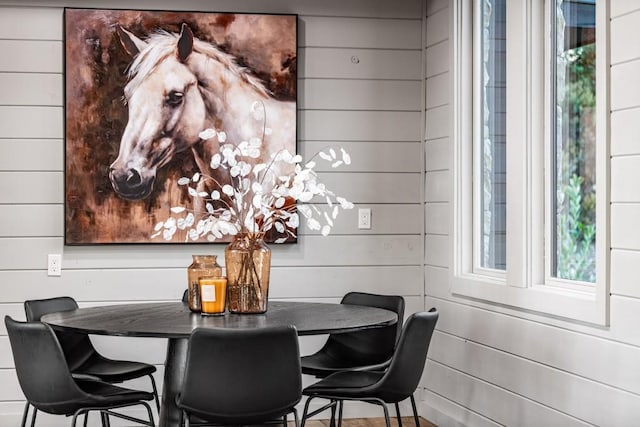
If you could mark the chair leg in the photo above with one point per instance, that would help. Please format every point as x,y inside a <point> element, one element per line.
<point>104,417</point>
<point>150,414</point>
<point>398,414</point>
<point>75,416</point>
<point>25,413</point>
<point>155,392</point>
<point>33,417</point>
<point>386,414</point>
<point>332,420</point>
<point>415,411</point>
<point>305,411</point>
<point>340,406</point>
<point>86,419</point>
<point>295,417</point>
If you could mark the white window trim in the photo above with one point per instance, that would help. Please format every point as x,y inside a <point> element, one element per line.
<point>526,286</point>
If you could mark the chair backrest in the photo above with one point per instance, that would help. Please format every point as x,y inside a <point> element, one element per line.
<point>242,376</point>
<point>370,346</point>
<point>76,346</point>
<point>402,378</point>
<point>41,367</point>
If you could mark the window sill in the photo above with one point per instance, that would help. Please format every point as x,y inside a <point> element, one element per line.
<point>544,300</point>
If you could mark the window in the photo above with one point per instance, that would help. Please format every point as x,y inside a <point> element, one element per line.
<point>492,161</point>
<point>530,130</point>
<point>574,140</point>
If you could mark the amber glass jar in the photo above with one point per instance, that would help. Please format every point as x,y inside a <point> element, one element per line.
<point>202,266</point>
<point>248,264</point>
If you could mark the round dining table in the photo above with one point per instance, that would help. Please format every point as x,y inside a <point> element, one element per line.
<point>174,321</point>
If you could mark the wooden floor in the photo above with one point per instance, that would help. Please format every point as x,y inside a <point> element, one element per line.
<point>370,422</point>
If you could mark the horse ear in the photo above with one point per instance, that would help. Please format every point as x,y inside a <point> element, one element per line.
<point>185,43</point>
<point>132,44</point>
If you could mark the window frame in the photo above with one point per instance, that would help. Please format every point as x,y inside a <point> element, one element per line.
<point>527,285</point>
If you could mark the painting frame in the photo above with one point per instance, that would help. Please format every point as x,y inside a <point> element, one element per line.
<point>98,96</point>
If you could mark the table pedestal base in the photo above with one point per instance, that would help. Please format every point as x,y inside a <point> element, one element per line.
<point>173,375</point>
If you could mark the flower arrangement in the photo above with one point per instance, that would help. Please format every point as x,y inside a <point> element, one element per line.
<point>256,199</point>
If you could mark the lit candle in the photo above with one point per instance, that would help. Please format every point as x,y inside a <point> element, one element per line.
<point>213,293</point>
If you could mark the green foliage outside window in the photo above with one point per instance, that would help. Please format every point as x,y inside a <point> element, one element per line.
<point>575,209</point>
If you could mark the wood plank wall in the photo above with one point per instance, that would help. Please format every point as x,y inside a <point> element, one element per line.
<point>374,109</point>
<point>492,366</point>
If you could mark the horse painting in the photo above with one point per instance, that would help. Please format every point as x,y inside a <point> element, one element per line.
<point>179,85</point>
<point>140,88</point>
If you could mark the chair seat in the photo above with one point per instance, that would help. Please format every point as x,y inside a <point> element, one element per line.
<point>397,383</point>
<point>369,349</point>
<point>113,371</point>
<point>47,383</point>
<point>322,365</point>
<point>83,360</point>
<point>103,394</point>
<point>344,384</point>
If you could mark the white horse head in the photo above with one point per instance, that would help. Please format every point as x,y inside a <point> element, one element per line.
<point>178,86</point>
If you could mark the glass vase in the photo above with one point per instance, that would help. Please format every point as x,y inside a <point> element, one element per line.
<point>202,266</point>
<point>248,265</point>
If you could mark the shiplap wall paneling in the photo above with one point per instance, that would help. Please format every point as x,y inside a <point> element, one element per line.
<point>435,404</point>
<point>625,113</point>
<point>490,402</point>
<point>360,88</point>
<point>581,355</point>
<point>405,9</point>
<point>491,364</point>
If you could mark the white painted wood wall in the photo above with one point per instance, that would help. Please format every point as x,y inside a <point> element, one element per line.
<point>373,109</point>
<point>493,366</point>
<point>488,365</point>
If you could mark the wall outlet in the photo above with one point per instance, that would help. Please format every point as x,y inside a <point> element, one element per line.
<point>364,218</point>
<point>54,265</point>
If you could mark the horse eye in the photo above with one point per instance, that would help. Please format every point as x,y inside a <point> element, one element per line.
<point>174,98</point>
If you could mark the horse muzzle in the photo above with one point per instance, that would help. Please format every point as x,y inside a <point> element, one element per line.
<point>130,184</point>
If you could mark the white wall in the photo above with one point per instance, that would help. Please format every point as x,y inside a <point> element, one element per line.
<point>373,109</point>
<point>492,366</point>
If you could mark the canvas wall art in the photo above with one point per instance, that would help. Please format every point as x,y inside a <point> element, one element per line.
<point>141,86</point>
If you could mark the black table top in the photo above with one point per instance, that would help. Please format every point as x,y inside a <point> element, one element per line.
<point>174,320</point>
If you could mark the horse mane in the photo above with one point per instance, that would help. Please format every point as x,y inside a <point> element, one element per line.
<point>162,44</point>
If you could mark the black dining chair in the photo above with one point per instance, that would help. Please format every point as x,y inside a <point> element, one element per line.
<point>47,383</point>
<point>83,359</point>
<point>241,376</point>
<point>394,385</point>
<point>366,350</point>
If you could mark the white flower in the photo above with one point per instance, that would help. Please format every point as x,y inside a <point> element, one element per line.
<point>215,161</point>
<point>269,196</point>
<point>257,108</point>
<point>207,133</point>
<point>293,221</point>
<point>346,158</point>
<point>313,224</point>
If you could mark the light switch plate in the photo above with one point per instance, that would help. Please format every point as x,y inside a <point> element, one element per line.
<point>364,218</point>
<point>54,265</point>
